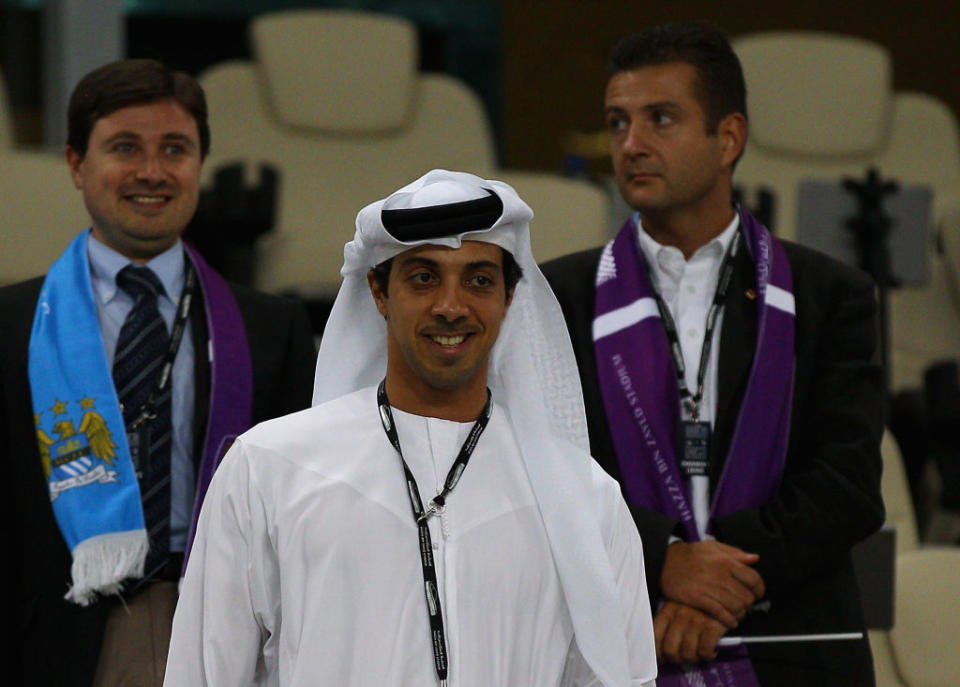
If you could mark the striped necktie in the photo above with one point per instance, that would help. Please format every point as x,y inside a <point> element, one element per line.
<point>139,357</point>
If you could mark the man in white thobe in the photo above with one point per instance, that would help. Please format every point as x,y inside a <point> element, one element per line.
<point>443,526</point>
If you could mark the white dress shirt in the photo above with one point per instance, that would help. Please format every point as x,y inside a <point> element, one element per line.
<point>687,287</point>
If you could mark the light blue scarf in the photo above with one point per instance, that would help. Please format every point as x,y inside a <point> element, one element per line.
<point>80,430</point>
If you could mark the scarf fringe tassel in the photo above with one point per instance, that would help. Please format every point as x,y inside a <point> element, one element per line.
<point>100,564</point>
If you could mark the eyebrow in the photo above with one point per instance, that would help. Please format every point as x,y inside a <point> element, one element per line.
<point>180,138</point>
<point>663,105</point>
<point>414,261</point>
<point>167,138</point>
<point>489,264</point>
<point>658,105</point>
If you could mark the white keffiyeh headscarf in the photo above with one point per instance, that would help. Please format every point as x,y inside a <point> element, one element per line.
<point>532,373</point>
<point>533,350</point>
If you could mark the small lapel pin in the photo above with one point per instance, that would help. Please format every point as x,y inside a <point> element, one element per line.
<point>751,294</point>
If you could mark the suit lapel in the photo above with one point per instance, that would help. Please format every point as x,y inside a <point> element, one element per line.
<point>738,342</point>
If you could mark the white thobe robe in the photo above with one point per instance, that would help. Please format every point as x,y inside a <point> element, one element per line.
<point>306,568</point>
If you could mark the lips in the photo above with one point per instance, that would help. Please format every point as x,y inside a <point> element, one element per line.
<point>148,200</point>
<point>448,340</point>
<point>149,197</point>
<point>640,176</point>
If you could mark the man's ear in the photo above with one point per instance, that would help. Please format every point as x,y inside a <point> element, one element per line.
<point>379,296</point>
<point>74,160</point>
<point>732,133</point>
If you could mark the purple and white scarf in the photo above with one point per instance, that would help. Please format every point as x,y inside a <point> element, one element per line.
<point>638,382</point>
<point>231,379</point>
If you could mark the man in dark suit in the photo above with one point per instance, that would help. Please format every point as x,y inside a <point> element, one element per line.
<point>730,383</point>
<point>125,373</point>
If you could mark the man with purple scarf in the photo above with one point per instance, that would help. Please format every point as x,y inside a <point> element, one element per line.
<point>731,386</point>
<point>125,373</point>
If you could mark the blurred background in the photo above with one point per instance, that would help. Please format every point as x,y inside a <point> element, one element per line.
<point>538,65</point>
<point>317,108</point>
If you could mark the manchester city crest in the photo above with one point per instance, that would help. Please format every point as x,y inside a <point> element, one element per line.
<point>75,456</point>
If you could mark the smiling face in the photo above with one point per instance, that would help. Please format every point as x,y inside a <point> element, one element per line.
<point>667,164</point>
<point>443,312</point>
<point>140,177</point>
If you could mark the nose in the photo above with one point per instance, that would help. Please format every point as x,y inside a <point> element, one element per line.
<point>449,303</point>
<point>151,169</point>
<point>635,140</point>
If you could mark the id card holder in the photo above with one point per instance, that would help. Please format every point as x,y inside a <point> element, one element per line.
<point>139,440</point>
<point>693,448</point>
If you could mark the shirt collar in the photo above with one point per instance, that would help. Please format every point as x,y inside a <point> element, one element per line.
<point>105,263</point>
<point>717,246</point>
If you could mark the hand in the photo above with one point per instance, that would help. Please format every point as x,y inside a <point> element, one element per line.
<point>712,577</point>
<point>685,635</point>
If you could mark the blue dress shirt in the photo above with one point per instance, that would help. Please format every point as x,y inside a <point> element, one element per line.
<point>113,305</point>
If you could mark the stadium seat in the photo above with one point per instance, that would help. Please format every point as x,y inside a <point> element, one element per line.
<point>822,107</point>
<point>42,212</point>
<point>334,100</point>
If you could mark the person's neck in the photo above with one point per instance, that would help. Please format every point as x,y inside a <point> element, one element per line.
<point>463,404</point>
<point>138,257</point>
<point>689,229</point>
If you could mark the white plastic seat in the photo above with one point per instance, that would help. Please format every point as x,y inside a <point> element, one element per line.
<point>819,107</point>
<point>924,148</point>
<point>42,212</point>
<point>6,118</point>
<point>569,215</point>
<point>816,94</point>
<point>900,514</point>
<point>924,637</point>
<point>334,101</point>
<point>822,107</point>
<point>896,495</point>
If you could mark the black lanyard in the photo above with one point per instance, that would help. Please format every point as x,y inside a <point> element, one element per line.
<point>691,401</point>
<point>421,517</point>
<point>147,410</point>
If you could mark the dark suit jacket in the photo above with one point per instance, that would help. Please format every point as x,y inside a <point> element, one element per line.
<point>57,643</point>
<point>830,494</point>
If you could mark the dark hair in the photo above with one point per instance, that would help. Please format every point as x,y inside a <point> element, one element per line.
<point>132,82</point>
<point>720,87</point>
<point>512,273</point>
